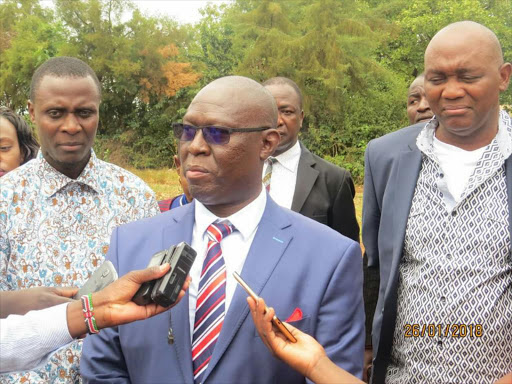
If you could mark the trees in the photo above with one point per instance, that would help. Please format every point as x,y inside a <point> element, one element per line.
<point>27,39</point>
<point>353,59</point>
<point>329,48</point>
<point>138,63</point>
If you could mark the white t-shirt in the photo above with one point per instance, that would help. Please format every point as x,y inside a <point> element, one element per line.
<point>457,165</point>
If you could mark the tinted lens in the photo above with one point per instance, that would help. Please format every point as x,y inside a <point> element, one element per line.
<point>189,133</point>
<point>178,130</point>
<point>184,132</point>
<point>216,135</point>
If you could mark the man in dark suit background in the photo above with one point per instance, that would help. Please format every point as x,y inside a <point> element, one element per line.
<point>300,180</point>
<point>309,273</point>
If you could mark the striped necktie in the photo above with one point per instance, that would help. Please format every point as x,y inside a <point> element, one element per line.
<point>211,295</point>
<point>268,172</point>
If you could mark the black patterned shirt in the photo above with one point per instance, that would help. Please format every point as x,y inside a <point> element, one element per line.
<point>454,300</point>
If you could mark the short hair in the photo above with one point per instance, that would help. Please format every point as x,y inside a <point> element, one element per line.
<point>26,140</point>
<point>286,81</point>
<point>63,66</point>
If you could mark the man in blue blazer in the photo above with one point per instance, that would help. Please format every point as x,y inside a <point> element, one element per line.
<point>309,273</point>
<point>437,214</point>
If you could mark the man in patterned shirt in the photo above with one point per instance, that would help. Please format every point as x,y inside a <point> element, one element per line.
<point>57,212</point>
<point>437,222</point>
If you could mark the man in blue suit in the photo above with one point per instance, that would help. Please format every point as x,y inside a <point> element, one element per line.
<point>437,221</point>
<point>309,273</point>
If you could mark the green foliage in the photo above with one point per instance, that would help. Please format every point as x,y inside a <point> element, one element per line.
<point>28,39</point>
<point>213,54</point>
<point>353,60</point>
<point>417,22</point>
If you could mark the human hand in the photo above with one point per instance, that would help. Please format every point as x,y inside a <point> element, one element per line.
<point>306,356</point>
<point>114,306</point>
<point>303,356</point>
<point>507,379</point>
<point>25,300</point>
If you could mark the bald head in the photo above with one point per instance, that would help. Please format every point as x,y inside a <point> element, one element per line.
<point>467,33</point>
<point>240,98</point>
<point>464,75</point>
<point>225,173</point>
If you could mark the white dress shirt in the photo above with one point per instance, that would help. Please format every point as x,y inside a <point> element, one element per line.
<point>25,341</point>
<point>457,165</point>
<point>235,247</point>
<point>284,176</point>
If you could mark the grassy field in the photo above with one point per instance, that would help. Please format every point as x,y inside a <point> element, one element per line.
<point>164,182</point>
<point>166,185</point>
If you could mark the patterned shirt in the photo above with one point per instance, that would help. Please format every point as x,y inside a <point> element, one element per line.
<point>55,231</point>
<point>454,303</point>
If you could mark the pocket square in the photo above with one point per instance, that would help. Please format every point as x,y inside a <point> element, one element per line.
<point>295,316</point>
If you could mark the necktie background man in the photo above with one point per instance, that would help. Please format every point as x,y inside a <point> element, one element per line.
<point>57,211</point>
<point>437,222</point>
<point>300,266</point>
<point>302,181</point>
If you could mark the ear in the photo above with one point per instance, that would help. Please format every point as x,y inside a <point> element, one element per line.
<point>301,118</point>
<point>177,162</point>
<point>505,70</point>
<point>271,140</point>
<point>30,105</point>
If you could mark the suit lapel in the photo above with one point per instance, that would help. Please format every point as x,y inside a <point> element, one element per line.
<point>409,166</point>
<point>408,169</point>
<point>269,244</point>
<point>306,177</point>
<point>180,230</point>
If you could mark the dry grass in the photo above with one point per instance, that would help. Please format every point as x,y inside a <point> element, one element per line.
<point>164,182</point>
<point>358,201</point>
<point>166,185</point>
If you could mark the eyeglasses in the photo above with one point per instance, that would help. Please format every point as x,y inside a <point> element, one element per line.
<point>211,133</point>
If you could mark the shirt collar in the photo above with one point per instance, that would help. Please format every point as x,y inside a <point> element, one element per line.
<point>246,220</point>
<point>290,158</point>
<point>425,139</point>
<point>53,181</point>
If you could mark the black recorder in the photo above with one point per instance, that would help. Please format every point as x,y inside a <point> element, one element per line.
<point>165,290</point>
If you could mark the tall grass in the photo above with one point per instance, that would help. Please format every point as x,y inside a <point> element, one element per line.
<point>164,182</point>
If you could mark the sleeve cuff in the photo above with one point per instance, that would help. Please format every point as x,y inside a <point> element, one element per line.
<point>58,330</point>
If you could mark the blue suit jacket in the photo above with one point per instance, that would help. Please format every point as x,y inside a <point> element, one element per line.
<point>294,262</point>
<point>392,167</point>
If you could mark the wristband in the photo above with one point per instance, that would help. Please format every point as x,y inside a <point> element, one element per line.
<point>90,321</point>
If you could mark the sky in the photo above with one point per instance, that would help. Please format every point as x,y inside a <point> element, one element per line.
<point>183,11</point>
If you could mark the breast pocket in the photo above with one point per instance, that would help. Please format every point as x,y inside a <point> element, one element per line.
<point>418,231</point>
<point>494,234</point>
<point>303,325</point>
